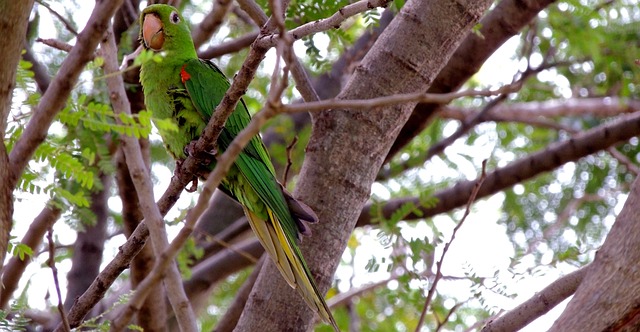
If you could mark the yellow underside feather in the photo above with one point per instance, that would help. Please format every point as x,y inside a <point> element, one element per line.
<point>273,239</point>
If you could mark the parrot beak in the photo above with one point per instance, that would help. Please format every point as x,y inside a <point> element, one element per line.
<point>152,32</point>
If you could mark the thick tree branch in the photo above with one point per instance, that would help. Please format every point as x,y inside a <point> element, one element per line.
<point>13,29</point>
<point>32,238</point>
<point>539,304</point>
<point>203,31</point>
<point>591,141</point>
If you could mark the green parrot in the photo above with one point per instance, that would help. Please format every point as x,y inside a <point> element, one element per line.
<point>187,90</point>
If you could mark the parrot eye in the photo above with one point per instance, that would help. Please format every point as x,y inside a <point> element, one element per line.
<point>174,17</point>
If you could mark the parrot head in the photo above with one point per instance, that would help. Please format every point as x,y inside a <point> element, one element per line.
<point>164,29</point>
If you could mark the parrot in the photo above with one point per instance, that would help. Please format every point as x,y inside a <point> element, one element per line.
<point>187,90</point>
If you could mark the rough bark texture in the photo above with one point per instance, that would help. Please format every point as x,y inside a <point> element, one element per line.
<point>608,297</point>
<point>13,29</point>
<point>348,147</point>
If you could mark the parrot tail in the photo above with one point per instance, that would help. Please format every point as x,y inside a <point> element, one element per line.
<point>289,260</point>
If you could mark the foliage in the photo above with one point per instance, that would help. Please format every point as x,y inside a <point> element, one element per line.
<point>554,220</point>
<point>14,319</point>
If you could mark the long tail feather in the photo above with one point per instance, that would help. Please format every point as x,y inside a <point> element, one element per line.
<point>289,261</point>
<point>269,239</point>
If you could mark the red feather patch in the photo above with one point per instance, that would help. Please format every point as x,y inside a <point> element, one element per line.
<point>184,76</point>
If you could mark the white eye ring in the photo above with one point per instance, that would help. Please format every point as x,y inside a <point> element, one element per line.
<point>174,17</point>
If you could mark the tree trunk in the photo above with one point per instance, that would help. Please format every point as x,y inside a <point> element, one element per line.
<point>13,28</point>
<point>348,147</point>
<point>608,298</point>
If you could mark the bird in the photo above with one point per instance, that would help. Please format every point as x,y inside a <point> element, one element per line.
<point>187,90</point>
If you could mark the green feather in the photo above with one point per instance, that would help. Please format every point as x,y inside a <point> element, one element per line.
<point>186,89</point>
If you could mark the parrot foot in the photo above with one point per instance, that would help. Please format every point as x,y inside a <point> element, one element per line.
<point>194,185</point>
<point>207,157</point>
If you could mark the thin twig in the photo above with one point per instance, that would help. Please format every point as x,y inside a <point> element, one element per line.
<point>62,19</point>
<point>230,46</point>
<point>328,23</point>
<point>285,175</point>
<point>52,264</point>
<point>55,43</point>
<point>211,22</point>
<point>438,275</point>
<point>442,323</point>
<point>419,97</point>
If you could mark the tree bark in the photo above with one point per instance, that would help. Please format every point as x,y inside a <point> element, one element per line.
<point>608,297</point>
<point>347,148</point>
<point>13,28</point>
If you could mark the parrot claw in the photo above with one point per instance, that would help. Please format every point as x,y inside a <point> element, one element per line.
<point>207,157</point>
<point>194,186</point>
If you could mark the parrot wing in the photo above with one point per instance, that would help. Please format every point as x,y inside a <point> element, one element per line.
<point>286,217</point>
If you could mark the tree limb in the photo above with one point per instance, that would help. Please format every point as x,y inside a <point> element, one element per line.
<point>583,144</point>
<point>211,22</point>
<point>539,304</point>
<point>144,187</point>
<point>32,238</point>
<point>13,28</point>
<point>56,96</point>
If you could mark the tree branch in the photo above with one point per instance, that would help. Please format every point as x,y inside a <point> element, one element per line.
<point>56,96</point>
<point>324,24</point>
<point>211,22</point>
<point>32,238</point>
<point>13,28</point>
<point>231,46</point>
<point>583,144</point>
<point>539,304</point>
<point>434,284</point>
<point>144,188</point>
